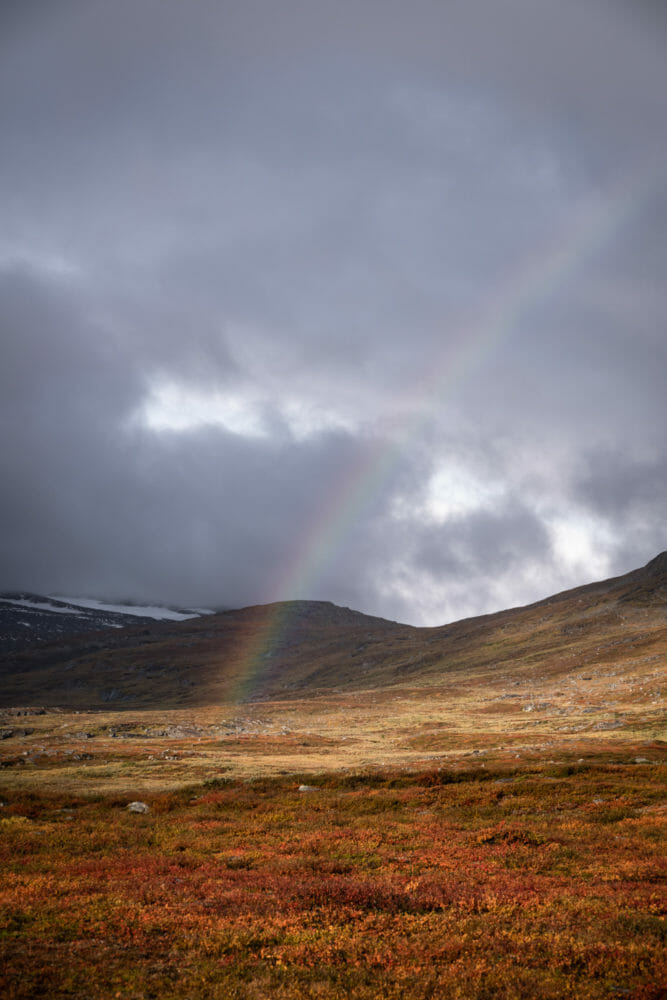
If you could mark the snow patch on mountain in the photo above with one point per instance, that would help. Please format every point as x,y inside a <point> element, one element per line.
<point>140,610</point>
<point>27,618</point>
<point>58,609</point>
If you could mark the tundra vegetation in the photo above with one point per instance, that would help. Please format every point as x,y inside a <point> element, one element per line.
<point>527,868</point>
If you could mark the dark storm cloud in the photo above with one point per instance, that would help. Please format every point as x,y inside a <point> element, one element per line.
<point>628,491</point>
<point>208,514</point>
<point>244,256</point>
<point>638,484</point>
<point>486,542</point>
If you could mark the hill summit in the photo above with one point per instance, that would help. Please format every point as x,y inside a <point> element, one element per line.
<point>657,568</point>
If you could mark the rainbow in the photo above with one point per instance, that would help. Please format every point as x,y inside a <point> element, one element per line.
<point>590,225</point>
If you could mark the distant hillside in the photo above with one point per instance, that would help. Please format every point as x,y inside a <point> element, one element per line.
<point>27,618</point>
<point>306,647</point>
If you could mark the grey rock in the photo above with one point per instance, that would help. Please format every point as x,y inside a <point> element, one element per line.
<point>138,807</point>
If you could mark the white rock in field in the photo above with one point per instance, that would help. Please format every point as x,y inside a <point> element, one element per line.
<point>308,788</point>
<point>138,807</point>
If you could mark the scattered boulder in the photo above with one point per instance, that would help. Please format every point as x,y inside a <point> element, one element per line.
<point>138,807</point>
<point>308,788</point>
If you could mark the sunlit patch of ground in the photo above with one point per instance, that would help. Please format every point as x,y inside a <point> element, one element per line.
<point>397,728</point>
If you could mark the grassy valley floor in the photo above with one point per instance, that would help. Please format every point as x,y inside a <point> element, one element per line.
<point>449,847</point>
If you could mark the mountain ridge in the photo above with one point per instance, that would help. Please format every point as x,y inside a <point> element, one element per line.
<point>304,647</point>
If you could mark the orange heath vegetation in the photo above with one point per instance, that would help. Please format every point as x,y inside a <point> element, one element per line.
<point>514,879</point>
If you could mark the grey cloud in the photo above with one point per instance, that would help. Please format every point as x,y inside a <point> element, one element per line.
<point>203,517</point>
<point>486,543</point>
<point>629,491</point>
<point>578,61</point>
<point>346,211</point>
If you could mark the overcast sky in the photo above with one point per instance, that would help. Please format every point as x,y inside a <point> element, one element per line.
<point>354,300</point>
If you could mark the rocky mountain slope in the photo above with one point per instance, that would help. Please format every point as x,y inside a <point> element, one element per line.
<point>300,648</point>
